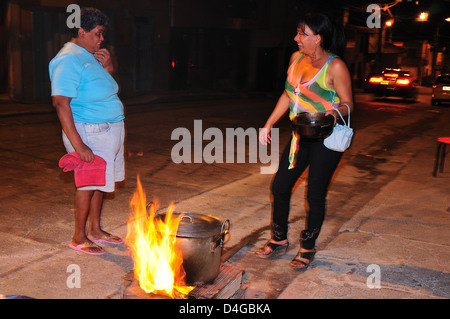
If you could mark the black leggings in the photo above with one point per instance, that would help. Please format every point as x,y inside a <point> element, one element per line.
<point>322,164</point>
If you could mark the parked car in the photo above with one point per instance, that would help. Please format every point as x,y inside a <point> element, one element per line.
<point>441,90</point>
<point>392,82</point>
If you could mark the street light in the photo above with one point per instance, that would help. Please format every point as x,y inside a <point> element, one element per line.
<point>388,31</point>
<point>423,16</point>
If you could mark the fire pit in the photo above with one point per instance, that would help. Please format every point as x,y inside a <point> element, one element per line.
<point>229,284</point>
<point>173,251</point>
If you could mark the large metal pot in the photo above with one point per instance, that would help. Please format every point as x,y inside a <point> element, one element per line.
<point>200,239</point>
<point>313,125</point>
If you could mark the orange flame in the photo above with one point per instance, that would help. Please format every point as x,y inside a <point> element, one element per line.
<point>157,260</point>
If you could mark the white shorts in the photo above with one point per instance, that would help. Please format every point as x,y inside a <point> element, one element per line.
<point>107,141</point>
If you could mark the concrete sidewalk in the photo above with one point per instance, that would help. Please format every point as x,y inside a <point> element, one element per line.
<point>402,235</point>
<point>11,108</point>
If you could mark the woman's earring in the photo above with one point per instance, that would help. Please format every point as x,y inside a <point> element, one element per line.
<point>313,56</point>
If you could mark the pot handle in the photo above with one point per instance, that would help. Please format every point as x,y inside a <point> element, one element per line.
<point>148,207</point>
<point>188,217</point>
<point>224,229</point>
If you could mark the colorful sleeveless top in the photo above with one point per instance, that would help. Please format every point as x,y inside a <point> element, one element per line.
<point>311,96</point>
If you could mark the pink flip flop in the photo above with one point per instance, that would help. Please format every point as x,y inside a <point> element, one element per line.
<point>109,239</point>
<point>84,248</point>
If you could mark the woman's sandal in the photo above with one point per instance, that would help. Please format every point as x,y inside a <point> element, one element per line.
<point>299,264</point>
<point>275,250</point>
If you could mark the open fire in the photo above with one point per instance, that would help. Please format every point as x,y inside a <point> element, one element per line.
<point>157,261</point>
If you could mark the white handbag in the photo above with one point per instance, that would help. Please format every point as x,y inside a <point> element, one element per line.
<point>341,137</point>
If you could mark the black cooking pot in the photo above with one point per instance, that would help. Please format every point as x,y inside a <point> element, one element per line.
<point>313,125</point>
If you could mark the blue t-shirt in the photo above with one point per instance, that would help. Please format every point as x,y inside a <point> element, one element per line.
<point>76,73</point>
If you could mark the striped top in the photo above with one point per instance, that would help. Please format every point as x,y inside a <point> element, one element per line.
<point>311,96</point>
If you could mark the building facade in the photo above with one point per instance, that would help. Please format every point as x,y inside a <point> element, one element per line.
<point>166,45</point>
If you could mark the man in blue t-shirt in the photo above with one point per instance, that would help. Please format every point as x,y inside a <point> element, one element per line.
<point>91,114</point>
<point>77,74</point>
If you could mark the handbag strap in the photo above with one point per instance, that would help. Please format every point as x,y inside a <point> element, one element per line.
<point>348,114</point>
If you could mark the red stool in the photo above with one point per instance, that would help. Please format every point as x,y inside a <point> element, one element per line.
<point>440,154</point>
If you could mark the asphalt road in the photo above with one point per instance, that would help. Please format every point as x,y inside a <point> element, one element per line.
<point>35,142</point>
<point>30,147</point>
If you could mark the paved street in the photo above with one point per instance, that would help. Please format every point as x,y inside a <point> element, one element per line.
<point>384,208</point>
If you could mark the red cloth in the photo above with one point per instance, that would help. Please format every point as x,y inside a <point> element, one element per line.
<point>86,174</point>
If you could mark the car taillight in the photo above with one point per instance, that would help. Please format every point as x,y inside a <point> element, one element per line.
<point>403,82</point>
<point>376,79</point>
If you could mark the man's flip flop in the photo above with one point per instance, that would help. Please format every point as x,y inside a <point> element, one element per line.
<point>86,248</point>
<point>109,239</point>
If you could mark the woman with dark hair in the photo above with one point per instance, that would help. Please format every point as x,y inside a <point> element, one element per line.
<point>91,114</point>
<point>317,81</point>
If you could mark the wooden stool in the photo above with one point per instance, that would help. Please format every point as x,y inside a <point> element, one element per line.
<point>440,154</point>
